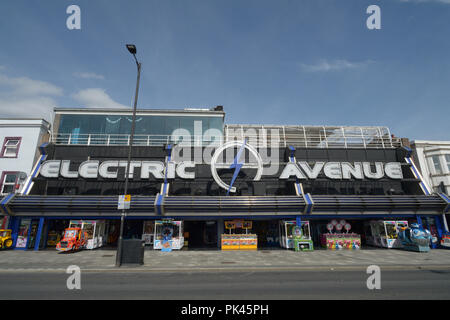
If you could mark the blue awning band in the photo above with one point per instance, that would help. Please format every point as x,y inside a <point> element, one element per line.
<point>447,200</point>
<point>211,205</point>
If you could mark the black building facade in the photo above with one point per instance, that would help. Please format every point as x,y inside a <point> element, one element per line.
<point>261,174</point>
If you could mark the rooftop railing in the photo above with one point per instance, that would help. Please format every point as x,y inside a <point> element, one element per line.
<point>313,136</point>
<point>139,140</point>
<point>258,136</point>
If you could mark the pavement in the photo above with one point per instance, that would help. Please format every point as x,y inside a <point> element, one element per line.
<point>103,259</point>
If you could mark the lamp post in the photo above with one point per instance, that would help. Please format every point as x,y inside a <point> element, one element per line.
<point>132,49</point>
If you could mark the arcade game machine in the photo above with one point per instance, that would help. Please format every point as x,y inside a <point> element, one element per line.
<point>236,239</point>
<point>429,223</point>
<point>95,230</point>
<point>415,238</point>
<point>56,231</point>
<point>168,235</point>
<point>26,234</point>
<point>294,237</point>
<point>384,233</point>
<point>445,240</point>
<point>340,240</point>
<point>53,238</point>
<point>148,232</point>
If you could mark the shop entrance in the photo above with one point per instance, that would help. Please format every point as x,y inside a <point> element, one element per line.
<point>267,232</point>
<point>132,229</point>
<point>55,231</point>
<point>200,234</point>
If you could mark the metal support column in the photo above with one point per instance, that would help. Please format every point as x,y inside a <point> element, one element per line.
<point>38,234</point>
<point>220,231</point>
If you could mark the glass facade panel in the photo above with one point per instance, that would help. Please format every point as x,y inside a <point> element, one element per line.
<point>114,129</point>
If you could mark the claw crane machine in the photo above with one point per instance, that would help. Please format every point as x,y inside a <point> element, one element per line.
<point>236,239</point>
<point>295,236</point>
<point>384,233</point>
<point>95,229</point>
<point>168,235</point>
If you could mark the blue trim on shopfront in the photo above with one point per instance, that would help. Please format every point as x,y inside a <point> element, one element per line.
<point>418,176</point>
<point>447,200</point>
<point>39,234</point>
<point>36,170</point>
<point>4,202</point>
<point>419,221</point>
<point>14,223</point>
<point>309,203</point>
<point>159,202</point>
<point>169,158</point>
<point>298,186</point>
<point>440,231</point>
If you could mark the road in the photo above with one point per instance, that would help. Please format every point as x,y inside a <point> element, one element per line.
<point>339,283</point>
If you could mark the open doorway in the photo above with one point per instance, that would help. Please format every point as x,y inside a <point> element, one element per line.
<point>200,234</point>
<point>268,233</point>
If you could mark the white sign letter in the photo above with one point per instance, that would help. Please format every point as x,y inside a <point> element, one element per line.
<point>73,21</point>
<point>374,21</point>
<point>291,169</point>
<point>374,281</point>
<point>74,281</point>
<point>394,170</point>
<point>50,169</point>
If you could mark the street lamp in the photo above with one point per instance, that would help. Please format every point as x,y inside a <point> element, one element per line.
<point>132,49</point>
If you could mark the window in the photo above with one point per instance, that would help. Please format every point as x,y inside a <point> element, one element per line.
<point>447,159</point>
<point>11,147</point>
<point>8,182</point>
<point>437,164</point>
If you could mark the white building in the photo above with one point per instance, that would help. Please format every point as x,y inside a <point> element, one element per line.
<point>20,139</point>
<point>433,158</point>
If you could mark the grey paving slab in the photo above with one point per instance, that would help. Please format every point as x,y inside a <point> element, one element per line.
<point>105,258</point>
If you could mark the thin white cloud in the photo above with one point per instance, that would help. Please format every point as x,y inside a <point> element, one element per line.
<point>23,97</point>
<point>335,65</point>
<point>24,86</point>
<point>96,98</point>
<point>88,75</point>
<point>31,107</point>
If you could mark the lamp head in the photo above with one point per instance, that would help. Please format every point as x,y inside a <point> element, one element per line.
<point>131,48</point>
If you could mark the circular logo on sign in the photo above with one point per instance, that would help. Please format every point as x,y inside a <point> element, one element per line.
<point>237,163</point>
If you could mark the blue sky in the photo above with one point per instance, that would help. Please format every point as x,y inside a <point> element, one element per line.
<point>305,62</point>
